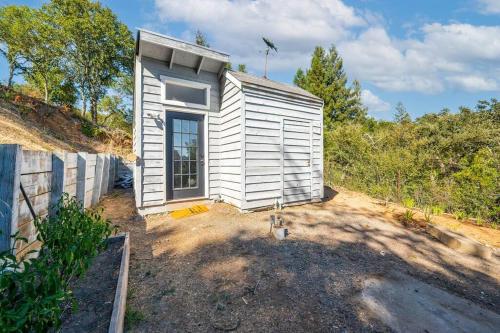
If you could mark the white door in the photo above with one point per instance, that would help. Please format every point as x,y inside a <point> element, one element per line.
<point>297,160</point>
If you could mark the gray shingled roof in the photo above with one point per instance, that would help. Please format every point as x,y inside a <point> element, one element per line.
<point>260,81</point>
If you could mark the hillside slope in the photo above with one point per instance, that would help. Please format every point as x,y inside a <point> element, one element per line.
<point>38,126</point>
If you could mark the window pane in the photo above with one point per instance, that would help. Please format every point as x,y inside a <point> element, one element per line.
<point>193,127</point>
<point>184,94</point>
<point>192,154</point>
<point>177,167</point>
<point>185,126</point>
<point>185,154</point>
<point>185,140</point>
<point>177,153</point>
<point>192,168</point>
<point>192,181</point>
<point>185,181</point>
<point>177,181</point>
<point>177,139</point>
<point>177,125</point>
<point>193,140</point>
<point>185,167</point>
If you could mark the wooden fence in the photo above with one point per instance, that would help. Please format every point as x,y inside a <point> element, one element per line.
<point>45,176</point>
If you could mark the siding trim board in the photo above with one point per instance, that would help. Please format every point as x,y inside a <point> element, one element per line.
<point>262,144</point>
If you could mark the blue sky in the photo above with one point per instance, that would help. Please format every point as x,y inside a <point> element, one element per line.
<point>428,54</point>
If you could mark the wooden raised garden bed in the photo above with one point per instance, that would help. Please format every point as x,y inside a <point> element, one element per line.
<point>102,292</point>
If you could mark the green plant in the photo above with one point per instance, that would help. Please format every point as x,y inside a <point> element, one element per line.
<point>133,316</point>
<point>88,129</point>
<point>437,210</point>
<point>408,217</point>
<point>460,215</point>
<point>428,215</point>
<point>33,291</point>
<point>408,203</point>
<point>479,221</point>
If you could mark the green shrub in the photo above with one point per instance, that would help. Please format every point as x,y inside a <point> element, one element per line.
<point>33,291</point>
<point>437,210</point>
<point>408,202</point>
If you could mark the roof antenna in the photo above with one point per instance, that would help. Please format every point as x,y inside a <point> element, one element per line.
<point>270,46</point>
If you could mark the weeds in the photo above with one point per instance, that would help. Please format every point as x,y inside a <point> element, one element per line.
<point>33,291</point>
<point>408,203</point>
<point>428,215</point>
<point>459,215</point>
<point>133,317</point>
<point>408,217</point>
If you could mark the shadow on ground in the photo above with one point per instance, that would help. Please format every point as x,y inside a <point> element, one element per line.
<point>234,277</point>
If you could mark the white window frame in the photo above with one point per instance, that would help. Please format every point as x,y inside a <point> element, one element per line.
<point>185,83</point>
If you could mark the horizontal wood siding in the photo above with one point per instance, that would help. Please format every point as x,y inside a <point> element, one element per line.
<point>229,138</point>
<point>277,156</point>
<point>153,176</point>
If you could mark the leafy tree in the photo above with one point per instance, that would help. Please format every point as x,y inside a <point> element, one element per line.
<point>242,68</point>
<point>401,116</point>
<point>35,43</point>
<point>200,39</point>
<point>97,47</point>
<point>326,79</point>
<point>446,160</point>
<point>15,22</point>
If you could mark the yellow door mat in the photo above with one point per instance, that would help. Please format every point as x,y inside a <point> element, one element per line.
<point>181,213</point>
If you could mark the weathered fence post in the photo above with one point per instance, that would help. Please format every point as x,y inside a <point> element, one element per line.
<point>105,176</point>
<point>81,177</point>
<point>58,180</point>
<point>99,167</point>
<point>112,172</point>
<point>10,180</point>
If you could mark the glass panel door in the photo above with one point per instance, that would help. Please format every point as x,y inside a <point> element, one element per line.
<point>185,157</point>
<point>185,154</point>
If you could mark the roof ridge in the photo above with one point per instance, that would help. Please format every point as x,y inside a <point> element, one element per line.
<point>253,79</point>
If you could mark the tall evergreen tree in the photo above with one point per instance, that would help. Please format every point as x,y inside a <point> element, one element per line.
<point>327,79</point>
<point>200,39</point>
<point>401,116</point>
<point>242,68</point>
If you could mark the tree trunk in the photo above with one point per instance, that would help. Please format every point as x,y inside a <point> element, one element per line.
<point>84,102</point>
<point>46,88</point>
<point>12,68</point>
<point>93,110</point>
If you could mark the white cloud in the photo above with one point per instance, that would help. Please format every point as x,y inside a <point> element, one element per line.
<point>457,50</point>
<point>443,56</point>
<point>237,27</point>
<point>474,83</point>
<point>374,103</point>
<point>489,6</point>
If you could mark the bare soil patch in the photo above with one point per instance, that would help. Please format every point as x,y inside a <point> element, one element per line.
<point>38,126</point>
<point>222,271</point>
<point>95,292</point>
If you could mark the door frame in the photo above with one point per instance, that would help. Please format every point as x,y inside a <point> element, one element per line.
<point>206,181</point>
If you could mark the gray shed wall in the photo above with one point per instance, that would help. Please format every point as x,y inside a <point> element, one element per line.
<point>283,148</point>
<point>150,173</point>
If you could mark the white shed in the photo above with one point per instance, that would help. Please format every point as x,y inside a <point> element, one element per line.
<point>201,132</point>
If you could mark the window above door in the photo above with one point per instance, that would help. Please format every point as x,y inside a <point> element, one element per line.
<point>185,93</point>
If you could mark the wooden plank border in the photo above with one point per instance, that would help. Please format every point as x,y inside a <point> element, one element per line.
<point>10,181</point>
<point>119,305</point>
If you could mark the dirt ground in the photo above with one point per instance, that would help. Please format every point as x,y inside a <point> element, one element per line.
<point>222,271</point>
<point>95,291</point>
<point>50,129</point>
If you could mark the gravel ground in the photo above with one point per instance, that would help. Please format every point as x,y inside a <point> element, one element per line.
<point>222,271</point>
